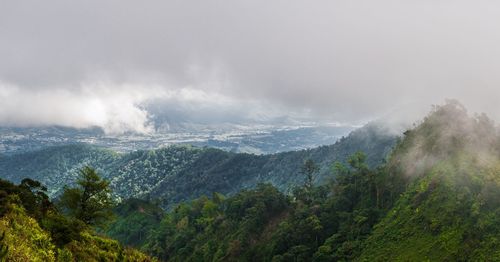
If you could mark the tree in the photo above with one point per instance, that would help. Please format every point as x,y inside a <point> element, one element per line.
<point>34,198</point>
<point>309,169</point>
<point>90,201</point>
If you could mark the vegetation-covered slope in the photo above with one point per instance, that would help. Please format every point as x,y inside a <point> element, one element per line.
<point>55,166</point>
<point>34,230</point>
<point>451,209</point>
<point>135,220</point>
<point>326,223</point>
<point>436,199</point>
<point>178,173</point>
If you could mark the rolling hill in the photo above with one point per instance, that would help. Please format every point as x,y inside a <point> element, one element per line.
<point>437,198</point>
<point>177,173</point>
<point>450,210</point>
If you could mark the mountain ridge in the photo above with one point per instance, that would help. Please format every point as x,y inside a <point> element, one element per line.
<point>449,211</point>
<point>180,173</point>
<point>437,198</point>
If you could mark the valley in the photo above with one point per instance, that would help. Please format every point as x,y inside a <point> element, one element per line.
<point>178,173</point>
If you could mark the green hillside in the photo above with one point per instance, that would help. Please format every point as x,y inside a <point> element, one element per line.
<point>180,173</point>
<point>436,199</point>
<point>450,211</point>
<point>135,220</point>
<point>328,222</point>
<point>33,229</point>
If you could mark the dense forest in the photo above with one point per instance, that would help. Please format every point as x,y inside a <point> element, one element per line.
<point>326,222</point>
<point>179,173</point>
<point>435,199</point>
<point>35,229</point>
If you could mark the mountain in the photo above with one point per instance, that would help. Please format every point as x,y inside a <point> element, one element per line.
<point>177,173</point>
<point>55,166</point>
<point>437,198</point>
<point>450,211</point>
<point>258,139</point>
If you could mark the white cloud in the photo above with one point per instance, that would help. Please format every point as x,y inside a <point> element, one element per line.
<point>120,108</point>
<point>340,60</point>
<point>114,108</point>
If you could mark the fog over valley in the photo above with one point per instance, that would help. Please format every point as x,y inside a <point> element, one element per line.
<point>249,130</point>
<point>144,67</point>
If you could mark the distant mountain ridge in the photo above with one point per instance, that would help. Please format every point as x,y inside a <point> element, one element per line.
<point>178,173</point>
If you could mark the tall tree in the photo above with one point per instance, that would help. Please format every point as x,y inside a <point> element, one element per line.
<point>309,169</point>
<point>91,200</point>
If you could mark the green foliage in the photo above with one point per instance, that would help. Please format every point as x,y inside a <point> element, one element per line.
<point>3,248</point>
<point>181,173</point>
<point>450,210</point>
<point>94,248</point>
<point>91,202</point>
<point>437,198</point>
<point>55,167</point>
<point>135,219</point>
<point>27,241</point>
<point>215,229</point>
<point>62,229</point>
<point>446,215</point>
<point>327,222</point>
<point>309,170</point>
<point>30,194</point>
<point>34,230</point>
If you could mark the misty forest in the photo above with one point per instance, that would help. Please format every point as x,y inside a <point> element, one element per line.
<point>273,131</point>
<point>430,194</point>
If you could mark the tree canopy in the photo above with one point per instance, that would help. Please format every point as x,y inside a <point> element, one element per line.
<point>90,201</point>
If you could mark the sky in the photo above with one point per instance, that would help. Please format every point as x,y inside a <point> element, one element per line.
<point>122,65</point>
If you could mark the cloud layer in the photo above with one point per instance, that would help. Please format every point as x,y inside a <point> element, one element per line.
<point>107,63</point>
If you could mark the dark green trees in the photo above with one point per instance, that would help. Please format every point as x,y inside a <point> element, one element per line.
<point>90,201</point>
<point>238,228</point>
<point>34,197</point>
<point>309,169</point>
<point>3,248</point>
<point>329,222</point>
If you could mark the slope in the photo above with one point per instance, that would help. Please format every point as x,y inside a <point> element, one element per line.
<point>33,229</point>
<point>450,210</point>
<point>180,173</point>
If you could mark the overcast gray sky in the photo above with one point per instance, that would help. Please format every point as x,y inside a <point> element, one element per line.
<point>106,63</point>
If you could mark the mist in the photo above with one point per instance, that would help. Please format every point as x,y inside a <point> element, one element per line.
<point>119,64</point>
<point>448,133</point>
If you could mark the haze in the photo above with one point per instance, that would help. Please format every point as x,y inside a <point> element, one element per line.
<point>121,64</point>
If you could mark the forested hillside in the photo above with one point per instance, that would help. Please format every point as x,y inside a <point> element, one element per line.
<point>323,223</point>
<point>178,173</point>
<point>55,166</point>
<point>32,228</point>
<point>450,211</point>
<point>436,199</point>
